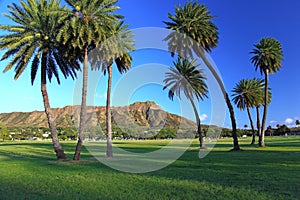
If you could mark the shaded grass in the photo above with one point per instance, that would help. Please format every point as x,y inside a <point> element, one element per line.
<point>29,170</point>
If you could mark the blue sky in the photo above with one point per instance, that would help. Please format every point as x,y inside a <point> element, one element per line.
<point>241,24</point>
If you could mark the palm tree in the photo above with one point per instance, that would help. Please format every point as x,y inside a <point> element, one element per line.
<point>31,40</point>
<point>248,93</point>
<point>114,49</point>
<point>267,56</point>
<point>193,31</point>
<point>259,101</point>
<point>91,23</point>
<point>190,80</point>
<point>243,97</point>
<point>297,123</point>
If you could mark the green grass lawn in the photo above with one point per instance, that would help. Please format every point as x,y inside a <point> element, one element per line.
<point>28,170</point>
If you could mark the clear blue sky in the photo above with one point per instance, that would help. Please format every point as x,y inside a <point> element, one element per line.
<point>241,24</point>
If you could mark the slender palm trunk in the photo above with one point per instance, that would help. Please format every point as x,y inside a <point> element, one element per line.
<point>236,146</point>
<point>258,123</point>
<point>60,154</point>
<point>264,119</point>
<point>109,152</point>
<point>83,107</point>
<point>199,130</point>
<point>252,125</point>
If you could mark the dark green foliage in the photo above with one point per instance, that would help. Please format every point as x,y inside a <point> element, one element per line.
<point>4,134</point>
<point>115,48</point>
<point>282,130</point>
<point>193,20</point>
<point>249,93</point>
<point>186,78</point>
<point>267,55</point>
<point>34,33</point>
<point>89,23</point>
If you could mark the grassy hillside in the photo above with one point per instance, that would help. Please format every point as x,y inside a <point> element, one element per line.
<point>28,171</point>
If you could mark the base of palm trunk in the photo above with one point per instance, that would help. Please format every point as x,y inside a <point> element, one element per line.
<point>262,145</point>
<point>60,154</point>
<point>236,148</point>
<point>253,140</point>
<point>78,150</point>
<point>109,151</point>
<point>203,147</point>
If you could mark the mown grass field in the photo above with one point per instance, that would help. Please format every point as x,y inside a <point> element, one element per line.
<point>28,170</point>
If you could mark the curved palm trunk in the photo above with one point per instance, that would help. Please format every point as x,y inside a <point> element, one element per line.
<point>199,131</point>
<point>83,107</point>
<point>258,123</point>
<point>109,152</point>
<point>264,119</point>
<point>226,97</point>
<point>60,154</point>
<point>252,125</point>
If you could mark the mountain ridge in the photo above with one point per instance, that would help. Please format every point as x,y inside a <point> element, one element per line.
<point>147,114</point>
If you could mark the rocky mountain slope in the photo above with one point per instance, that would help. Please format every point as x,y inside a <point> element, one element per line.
<point>145,114</point>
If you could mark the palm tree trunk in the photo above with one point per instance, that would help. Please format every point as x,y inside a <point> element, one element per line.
<point>252,125</point>
<point>199,131</point>
<point>236,146</point>
<point>201,53</point>
<point>264,119</point>
<point>60,154</point>
<point>83,107</point>
<point>109,152</point>
<point>258,123</point>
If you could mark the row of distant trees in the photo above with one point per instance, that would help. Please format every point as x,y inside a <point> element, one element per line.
<point>70,133</point>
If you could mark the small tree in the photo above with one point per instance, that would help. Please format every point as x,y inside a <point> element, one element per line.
<point>4,135</point>
<point>297,123</point>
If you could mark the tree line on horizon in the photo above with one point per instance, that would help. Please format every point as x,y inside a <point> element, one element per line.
<point>58,40</point>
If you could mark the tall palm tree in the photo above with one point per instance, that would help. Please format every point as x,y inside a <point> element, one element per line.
<point>248,94</point>
<point>243,98</point>
<point>259,101</point>
<point>123,64</point>
<point>91,23</point>
<point>267,57</point>
<point>113,50</point>
<point>188,79</point>
<point>194,31</point>
<point>31,40</point>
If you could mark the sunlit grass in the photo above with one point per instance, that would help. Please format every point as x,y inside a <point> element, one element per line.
<point>29,170</point>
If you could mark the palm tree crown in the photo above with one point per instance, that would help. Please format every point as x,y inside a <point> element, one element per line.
<point>186,78</point>
<point>115,48</point>
<point>194,20</point>
<point>33,35</point>
<point>267,55</point>
<point>248,93</point>
<point>89,23</point>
